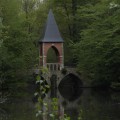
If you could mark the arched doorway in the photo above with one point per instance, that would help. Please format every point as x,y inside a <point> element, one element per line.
<point>52,55</point>
<point>53,59</point>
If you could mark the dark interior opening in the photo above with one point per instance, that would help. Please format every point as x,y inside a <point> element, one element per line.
<point>70,87</point>
<point>52,55</point>
<point>53,81</point>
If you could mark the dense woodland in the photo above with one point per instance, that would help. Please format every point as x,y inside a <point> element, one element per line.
<point>90,29</point>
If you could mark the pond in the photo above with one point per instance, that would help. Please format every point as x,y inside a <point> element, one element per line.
<point>87,103</point>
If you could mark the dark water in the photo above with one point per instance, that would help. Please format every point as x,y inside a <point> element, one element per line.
<point>94,105</point>
<point>18,107</point>
<point>76,102</point>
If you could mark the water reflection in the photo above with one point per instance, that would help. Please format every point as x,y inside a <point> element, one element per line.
<point>70,93</point>
<point>99,105</point>
<point>87,103</point>
<point>70,87</point>
<point>18,108</point>
<point>68,100</point>
<point>3,114</point>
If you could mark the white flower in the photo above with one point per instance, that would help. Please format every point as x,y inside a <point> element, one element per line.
<point>113,5</point>
<point>35,94</point>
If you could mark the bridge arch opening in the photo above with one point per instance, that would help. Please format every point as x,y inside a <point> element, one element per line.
<point>53,55</point>
<point>53,81</point>
<point>70,87</point>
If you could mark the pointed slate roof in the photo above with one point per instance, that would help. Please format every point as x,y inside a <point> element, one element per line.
<point>51,32</point>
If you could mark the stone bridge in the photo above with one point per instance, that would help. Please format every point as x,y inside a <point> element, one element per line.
<point>54,69</point>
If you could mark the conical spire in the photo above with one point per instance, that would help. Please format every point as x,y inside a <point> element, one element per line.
<point>51,33</point>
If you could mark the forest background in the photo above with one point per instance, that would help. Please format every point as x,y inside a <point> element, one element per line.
<point>90,29</point>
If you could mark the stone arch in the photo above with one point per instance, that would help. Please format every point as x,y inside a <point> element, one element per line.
<point>75,77</point>
<point>56,54</point>
<point>58,50</point>
<point>57,47</point>
<point>73,85</point>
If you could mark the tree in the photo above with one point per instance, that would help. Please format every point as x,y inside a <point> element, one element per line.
<point>20,30</point>
<point>99,49</point>
<point>18,49</point>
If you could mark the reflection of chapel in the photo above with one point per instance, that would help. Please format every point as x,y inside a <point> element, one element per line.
<point>51,45</point>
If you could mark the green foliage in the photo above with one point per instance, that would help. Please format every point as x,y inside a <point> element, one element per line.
<point>115,86</point>
<point>98,51</point>
<point>19,34</point>
<point>68,16</point>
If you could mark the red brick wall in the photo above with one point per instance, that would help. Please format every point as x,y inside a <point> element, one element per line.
<point>46,46</point>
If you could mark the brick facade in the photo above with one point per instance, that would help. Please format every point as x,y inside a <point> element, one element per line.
<point>44,47</point>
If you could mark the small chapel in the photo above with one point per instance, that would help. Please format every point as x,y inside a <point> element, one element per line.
<point>51,40</point>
